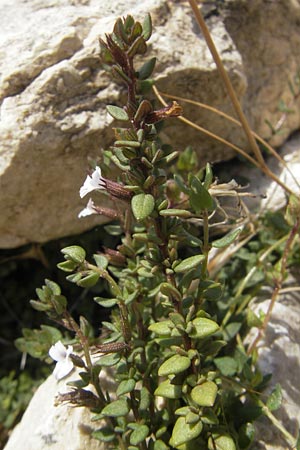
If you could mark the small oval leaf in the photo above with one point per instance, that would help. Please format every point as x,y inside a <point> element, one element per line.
<point>117,113</point>
<point>117,408</point>
<point>139,434</point>
<point>203,327</point>
<point>227,239</point>
<point>163,328</point>
<point>126,386</point>
<point>184,432</point>
<point>205,393</point>
<point>223,442</point>
<point>168,390</point>
<point>74,253</point>
<point>175,364</point>
<point>142,206</point>
<point>173,212</point>
<point>90,280</point>
<point>189,263</point>
<point>146,70</point>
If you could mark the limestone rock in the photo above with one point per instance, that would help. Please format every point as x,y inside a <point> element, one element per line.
<point>268,194</point>
<point>63,427</point>
<point>279,354</point>
<point>54,93</point>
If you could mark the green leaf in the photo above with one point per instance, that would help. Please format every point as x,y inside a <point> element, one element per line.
<point>173,212</point>
<point>170,291</point>
<point>292,210</point>
<point>106,302</point>
<point>200,198</point>
<point>189,263</point>
<point>168,390</point>
<point>101,261</point>
<point>192,417</point>
<point>175,364</point>
<point>184,432</point>
<point>117,113</point>
<point>246,434</point>
<point>105,434</point>
<point>142,206</point>
<point>117,408</point>
<point>38,306</point>
<point>125,386</point>
<point>203,327</point>
<point>147,27</point>
<point>227,239</point>
<point>188,160</point>
<point>109,360</point>
<point>145,399</point>
<point>54,287</point>
<point>74,253</point>
<point>59,302</point>
<point>160,445</point>
<point>89,280</point>
<point>67,266</point>
<point>139,434</point>
<point>74,277</point>
<point>253,320</point>
<point>208,176</point>
<point>163,328</point>
<point>231,330</point>
<point>146,70</point>
<point>221,442</point>
<point>205,394</point>
<point>227,366</point>
<point>275,398</point>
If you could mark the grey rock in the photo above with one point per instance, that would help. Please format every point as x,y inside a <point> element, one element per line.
<point>54,93</point>
<point>279,355</point>
<point>63,427</point>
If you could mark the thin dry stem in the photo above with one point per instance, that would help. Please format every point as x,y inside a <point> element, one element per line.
<point>233,96</point>
<point>217,111</point>
<point>278,285</point>
<point>209,133</point>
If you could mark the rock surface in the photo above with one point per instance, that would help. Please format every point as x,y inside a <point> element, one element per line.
<point>54,93</point>
<point>63,427</point>
<point>279,354</point>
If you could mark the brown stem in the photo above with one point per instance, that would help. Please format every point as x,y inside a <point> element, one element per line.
<point>278,285</point>
<point>227,82</point>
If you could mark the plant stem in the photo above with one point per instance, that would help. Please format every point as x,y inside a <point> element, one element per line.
<point>206,246</point>
<point>85,347</point>
<point>210,134</point>
<point>232,94</point>
<point>289,438</point>
<point>272,151</point>
<point>104,274</point>
<point>278,285</point>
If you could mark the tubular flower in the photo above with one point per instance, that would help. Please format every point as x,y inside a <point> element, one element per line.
<point>93,182</point>
<point>59,353</point>
<point>89,209</point>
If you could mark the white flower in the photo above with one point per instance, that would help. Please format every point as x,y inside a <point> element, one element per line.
<point>88,210</point>
<point>61,355</point>
<point>92,182</point>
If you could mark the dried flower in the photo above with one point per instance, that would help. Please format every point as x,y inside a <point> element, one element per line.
<point>93,182</point>
<point>59,353</point>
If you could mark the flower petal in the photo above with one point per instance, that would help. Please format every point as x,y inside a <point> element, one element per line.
<point>58,351</point>
<point>63,368</point>
<point>92,182</point>
<point>88,210</point>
